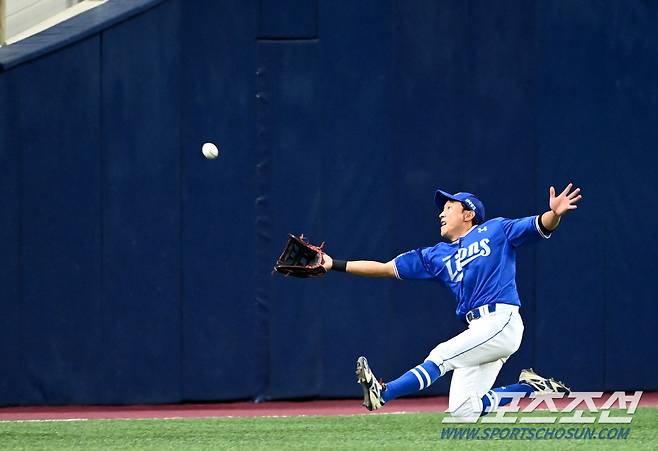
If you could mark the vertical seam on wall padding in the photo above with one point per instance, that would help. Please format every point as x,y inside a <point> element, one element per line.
<point>263,237</point>
<point>258,33</point>
<point>101,203</point>
<point>181,269</point>
<point>19,256</point>
<point>317,19</point>
<point>607,260</point>
<point>470,77</point>
<point>533,110</point>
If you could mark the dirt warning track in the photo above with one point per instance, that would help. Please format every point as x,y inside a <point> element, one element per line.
<point>437,404</point>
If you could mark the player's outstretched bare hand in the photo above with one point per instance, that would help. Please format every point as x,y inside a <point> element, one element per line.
<point>565,201</point>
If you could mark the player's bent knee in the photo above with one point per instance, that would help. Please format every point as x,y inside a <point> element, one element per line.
<point>435,356</point>
<point>467,408</point>
<point>439,364</point>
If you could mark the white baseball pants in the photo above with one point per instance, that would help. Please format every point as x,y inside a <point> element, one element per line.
<point>476,356</point>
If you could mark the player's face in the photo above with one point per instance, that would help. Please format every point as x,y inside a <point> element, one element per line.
<point>454,220</point>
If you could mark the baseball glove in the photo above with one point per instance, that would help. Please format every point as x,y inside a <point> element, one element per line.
<point>301,259</point>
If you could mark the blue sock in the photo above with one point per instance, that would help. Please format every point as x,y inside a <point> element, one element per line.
<point>413,380</point>
<point>496,397</point>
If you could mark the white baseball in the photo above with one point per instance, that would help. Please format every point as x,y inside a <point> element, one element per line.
<point>210,151</point>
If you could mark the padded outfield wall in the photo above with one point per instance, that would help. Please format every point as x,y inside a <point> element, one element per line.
<point>136,271</point>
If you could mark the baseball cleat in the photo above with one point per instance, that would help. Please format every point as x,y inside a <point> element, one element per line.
<point>372,390</point>
<point>542,384</point>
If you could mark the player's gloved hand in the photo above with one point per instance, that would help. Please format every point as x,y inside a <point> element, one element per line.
<point>301,259</point>
<point>564,202</point>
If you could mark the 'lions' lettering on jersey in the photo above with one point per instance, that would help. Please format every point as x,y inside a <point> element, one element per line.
<point>465,255</point>
<point>480,267</point>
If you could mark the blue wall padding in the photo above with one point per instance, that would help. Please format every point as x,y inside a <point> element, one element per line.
<point>575,132</point>
<point>289,117</point>
<point>11,387</point>
<point>142,208</point>
<point>288,19</point>
<point>220,358</point>
<point>631,334</point>
<point>57,330</point>
<point>136,271</point>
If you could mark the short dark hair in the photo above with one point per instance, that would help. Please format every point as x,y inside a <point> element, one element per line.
<point>475,218</point>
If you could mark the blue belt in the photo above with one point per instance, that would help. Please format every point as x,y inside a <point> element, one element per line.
<point>480,312</point>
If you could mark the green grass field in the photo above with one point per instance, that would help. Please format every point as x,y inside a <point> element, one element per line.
<point>395,432</point>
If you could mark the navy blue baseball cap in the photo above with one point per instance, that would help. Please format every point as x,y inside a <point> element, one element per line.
<point>469,200</point>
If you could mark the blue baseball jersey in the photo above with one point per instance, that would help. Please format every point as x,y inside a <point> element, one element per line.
<point>479,267</point>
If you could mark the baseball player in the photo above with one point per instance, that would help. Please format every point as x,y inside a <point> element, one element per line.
<point>477,262</point>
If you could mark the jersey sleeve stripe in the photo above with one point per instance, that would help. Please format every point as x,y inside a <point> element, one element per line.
<point>395,269</point>
<point>539,228</point>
